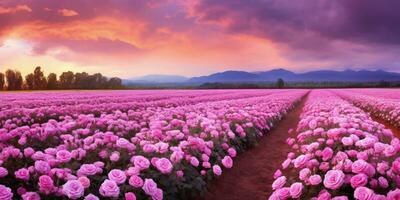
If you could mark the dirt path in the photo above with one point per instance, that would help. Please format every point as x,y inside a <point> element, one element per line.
<point>252,174</point>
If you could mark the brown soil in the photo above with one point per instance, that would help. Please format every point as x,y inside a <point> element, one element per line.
<point>252,174</point>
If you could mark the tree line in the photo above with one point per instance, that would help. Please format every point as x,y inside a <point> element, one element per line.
<point>13,80</point>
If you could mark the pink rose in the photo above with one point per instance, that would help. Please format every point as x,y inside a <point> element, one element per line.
<point>232,152</point>
<point>301,161</point>
<point>63,156</point>
<point>347,141</point>
<point>46,184</point>
<point>109,188</point>
<point>91,197</point>
<point>279,183</point>
<point>227,162</point>
<point>135,181</point>
<point>315,179</point>
<point>359,166</point>
<point>114,157</point>
<point>3,172</point>
<point>283,193</point>
<point>141,162</point>
<point>327,154</point>
<point>296,190</point>
<point>22,174</point>
<point>31,196</point>
<point>217,170</point>
<point>383,182</point>
<point>304,174</point>
<point>149,187</point>
<point>164,165</point>
<point>359,180</point>
<point>396,167</point>
<point>363,193</point>
<point>88,170</point>
<point>130,196</point>
<point>42,167</point>
<point>117,175</point>
<point>5,193</point>
<point>73,189</point>
<point>85,181</point>
<point>194,161</point>
<point>392,195</point>
<point>334,179</point>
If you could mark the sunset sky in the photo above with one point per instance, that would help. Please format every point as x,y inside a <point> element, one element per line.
<point>197,37</point>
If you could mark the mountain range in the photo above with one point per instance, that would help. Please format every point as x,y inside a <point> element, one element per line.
<point>273,75</point>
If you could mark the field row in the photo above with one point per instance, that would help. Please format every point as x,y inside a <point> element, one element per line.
<point>338,152</point>
<point>158,152</point>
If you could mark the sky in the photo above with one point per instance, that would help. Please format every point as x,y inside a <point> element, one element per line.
<point>130,38</point>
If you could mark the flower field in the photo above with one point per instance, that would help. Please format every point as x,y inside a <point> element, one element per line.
<point>174,144</point>
<point>339,152</point>
<point>128,144</point>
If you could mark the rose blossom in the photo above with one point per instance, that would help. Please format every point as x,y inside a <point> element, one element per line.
<point>141,162</point>
<point>296,190</point>
<point>22,174</point>
<point>63,156</point>
<point>91,197</point>
<point>279,183</point>
<point>359,166</point>
<point>149,187</point>
<point>135,181</point>
<point>3,172</point>
<point>42,167</point>
<point>315,179</point>
<point>85,181</point>
<point>194,161</point>
<point>117,175</point>
<point>87,170</point>
<point>5,193</point>
<point>227,162</point>
<point>164,165</point>
<point>130,196</point>
<point>73,189</point>
<point>46,184</point>
<point>304,174</point>
<point>109,188</point>
<point>359,180</point>
<point>217,170</point>
<point>31,196</point>
<point>334,179</point>
<point>363,193</point>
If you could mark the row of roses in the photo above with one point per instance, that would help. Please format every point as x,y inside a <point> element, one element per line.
<point>338,152</point>
<point>384,106</point>
<point>157,152</point>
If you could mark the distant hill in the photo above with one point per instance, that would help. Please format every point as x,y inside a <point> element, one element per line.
<point>318,76</point>
<point>157,78</point>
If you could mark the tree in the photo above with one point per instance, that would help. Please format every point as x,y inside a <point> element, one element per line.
<point>67,80</point>
<point>29,81</point>
<point>39,81</point>
<point>81,80</point>
<point>280,83</point>
<point>52,81</point>
<point>2,81</point>
<point>14,80</point>
<point>19,81</point>
<point>114,83</point>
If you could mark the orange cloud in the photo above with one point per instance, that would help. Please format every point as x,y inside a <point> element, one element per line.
<point>18,8</point>
<point>67,12</point>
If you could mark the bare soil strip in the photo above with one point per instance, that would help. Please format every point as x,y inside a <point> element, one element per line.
<point>252,174</point>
